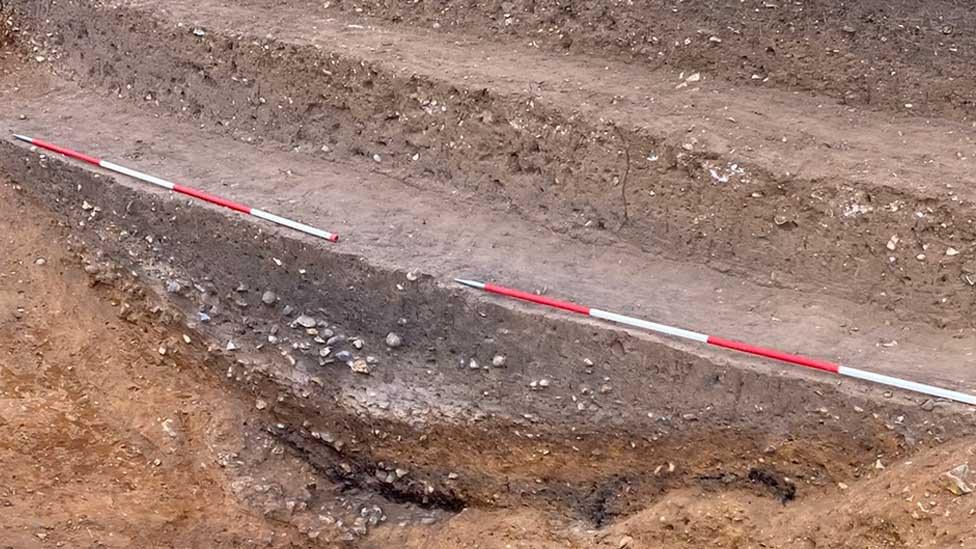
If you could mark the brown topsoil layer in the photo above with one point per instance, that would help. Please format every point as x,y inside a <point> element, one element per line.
<point>880,54</point>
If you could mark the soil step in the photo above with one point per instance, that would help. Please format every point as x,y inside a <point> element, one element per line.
<point>788,190</point>
<point>397,226</point>
<point>883,55</point>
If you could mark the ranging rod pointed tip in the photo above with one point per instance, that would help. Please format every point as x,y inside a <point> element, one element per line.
<point>22,137</point>
<point>471,283</point>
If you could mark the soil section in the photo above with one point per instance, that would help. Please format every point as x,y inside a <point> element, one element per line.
<point>136,441</point>
<point>229,383</point>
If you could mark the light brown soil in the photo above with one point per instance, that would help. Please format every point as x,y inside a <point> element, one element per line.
<point>84,399</point>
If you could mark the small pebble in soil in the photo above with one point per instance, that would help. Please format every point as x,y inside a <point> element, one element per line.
<point>269,298</point>
<point>498,361</point>
<point>358,343</point>
<point>344,356</point>
<point>473,364</point>
<point>305,321</point>
<point>393,340</point>
<point>169,427</point>
<point>892,242</point>
<point>40,261</point>
<point>231,346</point>
<point>173,286</point>
<point>261,404</point>
<point>359,366</point>
<point>955,480</point>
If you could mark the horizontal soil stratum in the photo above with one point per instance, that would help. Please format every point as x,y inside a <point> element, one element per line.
<point>798,175</point>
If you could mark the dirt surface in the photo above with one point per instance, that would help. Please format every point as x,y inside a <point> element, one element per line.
<point>488,243</point>
<point>785,190</point>
<point>177,375</point>
<point>880,54</point>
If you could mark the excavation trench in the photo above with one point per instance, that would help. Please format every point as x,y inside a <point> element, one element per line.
<point>620,420</point>
<point>596,158</point>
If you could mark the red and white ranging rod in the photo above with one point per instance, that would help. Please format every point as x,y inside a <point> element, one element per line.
<point>726,343</point>
<point>332,237</point>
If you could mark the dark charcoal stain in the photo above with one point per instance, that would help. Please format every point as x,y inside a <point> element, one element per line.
<point>776,482</point>
<point>597,507</point>
<point>362,475</point>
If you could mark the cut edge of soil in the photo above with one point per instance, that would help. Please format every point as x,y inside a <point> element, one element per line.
<point>814,445</point>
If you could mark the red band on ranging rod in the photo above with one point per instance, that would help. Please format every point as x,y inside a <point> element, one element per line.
<point>195,193</point>
<point>773,354</point>
<point>534,298</point>
<point>211,198</point>
<point>61,150</point>
<point>798,360</point>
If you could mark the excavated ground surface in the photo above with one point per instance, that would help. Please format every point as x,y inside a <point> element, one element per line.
<point>883,55</point>
<point>785,189</point>
<point>765,215</point>
<point>131,446</point>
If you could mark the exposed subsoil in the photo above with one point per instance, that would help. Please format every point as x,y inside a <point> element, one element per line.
<point>129,446</point>
<point>135,440</point>
<point>112,433</point>
<point>174,375</point>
